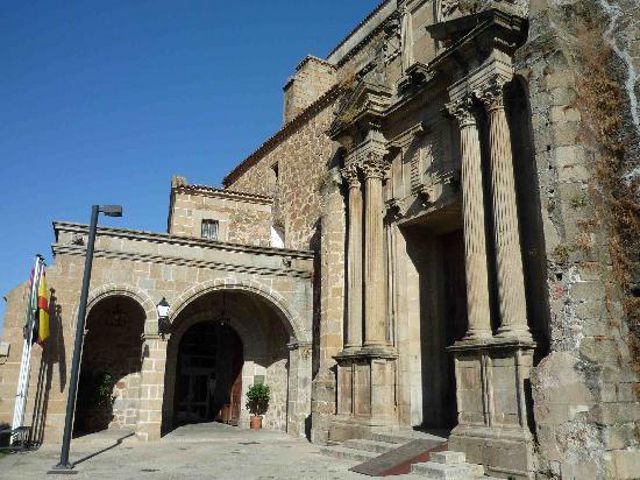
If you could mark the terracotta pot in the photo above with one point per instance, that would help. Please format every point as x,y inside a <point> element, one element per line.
<point>255,422</point>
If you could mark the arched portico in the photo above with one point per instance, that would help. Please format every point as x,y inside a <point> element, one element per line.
<point>271,354</point>
<point>291,319</point>
<point>111,365</point>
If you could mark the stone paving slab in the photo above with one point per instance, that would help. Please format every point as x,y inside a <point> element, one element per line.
<point>208,451</point>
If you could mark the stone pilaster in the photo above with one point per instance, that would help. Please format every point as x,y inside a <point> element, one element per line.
<point>299,401</point>
<point>154,358</point>
<point>511,292</point>
<point>374,168</point>
<point>354,259</point>
<point>474,226</point>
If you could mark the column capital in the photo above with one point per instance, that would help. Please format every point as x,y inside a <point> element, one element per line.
<point>351,175</point>
<point>374,166</point>
<point>491,95</point>
<point>462,110</point>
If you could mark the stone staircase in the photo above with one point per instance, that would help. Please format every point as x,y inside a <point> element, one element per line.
<point>373,445</point>
<point>442,465</point>
<point>449,465</point>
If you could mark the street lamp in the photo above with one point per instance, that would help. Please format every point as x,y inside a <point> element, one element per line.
<point>110,211</point>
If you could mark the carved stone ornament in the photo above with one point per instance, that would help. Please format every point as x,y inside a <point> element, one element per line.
<point>462,111</point>
<point>351,176</point>
<point>77,239</point>
<point>426,195</point>
<point>457,8</point>
<point>395,209</point>
<point>374,166</point>
<point>448,8</point>
<point>492,94</point>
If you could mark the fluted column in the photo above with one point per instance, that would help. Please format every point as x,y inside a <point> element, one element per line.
<point>354,259</point>
<point>511,293</point>
<point>474,228</point>
<point>374,279</point>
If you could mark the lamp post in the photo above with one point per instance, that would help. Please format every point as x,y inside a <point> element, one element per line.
<point>110,211</point>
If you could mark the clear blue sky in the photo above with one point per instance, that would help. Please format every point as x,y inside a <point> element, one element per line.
<point>103,101</point>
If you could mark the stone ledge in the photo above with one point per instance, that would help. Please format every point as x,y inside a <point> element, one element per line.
<point>167,260</point>
<point>59,226</point>
<point>492,343</point>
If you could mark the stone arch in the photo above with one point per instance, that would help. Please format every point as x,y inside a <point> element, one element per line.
<point>266,334</point>
<point>250,336</point>
<point>287,314</point>
<point>99,358</point>
<point>137,294</point>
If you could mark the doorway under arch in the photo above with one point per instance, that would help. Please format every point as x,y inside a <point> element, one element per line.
<point>264,341</point>
<point>208,375</point>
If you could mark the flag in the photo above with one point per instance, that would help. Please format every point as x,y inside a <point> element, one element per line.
<point>41,332</point>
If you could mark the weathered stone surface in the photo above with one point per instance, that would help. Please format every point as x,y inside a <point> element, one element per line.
<point>467,271</point>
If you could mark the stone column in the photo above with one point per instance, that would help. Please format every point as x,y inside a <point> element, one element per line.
<point>154,356</point>
<point>354,259</point>
<point>474,228</point>
<point>374,281</point>
<point>511,294</point>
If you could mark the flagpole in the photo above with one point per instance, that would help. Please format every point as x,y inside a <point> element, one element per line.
<point>23,381</point>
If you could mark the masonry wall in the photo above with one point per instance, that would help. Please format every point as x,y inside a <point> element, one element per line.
<point>313,78</point>
<point>586,390</point>
<point>242,219</point>
<point>303,156</point>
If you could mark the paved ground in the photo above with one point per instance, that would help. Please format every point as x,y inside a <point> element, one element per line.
<point>206,451</point>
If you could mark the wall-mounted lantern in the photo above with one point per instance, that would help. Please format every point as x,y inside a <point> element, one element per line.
<point>163,308</point>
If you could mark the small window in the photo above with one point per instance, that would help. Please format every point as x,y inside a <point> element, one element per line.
<point>209,229</point>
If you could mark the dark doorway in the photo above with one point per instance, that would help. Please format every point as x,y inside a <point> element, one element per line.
<point>209,375</point>
<point>438,260</point>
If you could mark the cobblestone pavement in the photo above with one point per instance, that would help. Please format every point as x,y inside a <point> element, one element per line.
<point>206,451</point>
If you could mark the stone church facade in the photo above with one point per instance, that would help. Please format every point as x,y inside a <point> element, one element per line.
<point>442,235</point>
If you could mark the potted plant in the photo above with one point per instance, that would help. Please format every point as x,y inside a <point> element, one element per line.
<point>258,398</point>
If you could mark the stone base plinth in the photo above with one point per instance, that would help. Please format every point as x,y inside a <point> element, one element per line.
<point>493,400</point>
<point>366,384</point>
<point>504,452</point>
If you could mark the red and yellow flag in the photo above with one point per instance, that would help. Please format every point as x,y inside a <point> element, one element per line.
<point>42,313</point>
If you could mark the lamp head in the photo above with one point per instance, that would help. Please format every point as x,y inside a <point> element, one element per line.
<point>111,210</point>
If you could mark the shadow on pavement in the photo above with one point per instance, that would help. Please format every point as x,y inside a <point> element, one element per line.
<point>110,447</point>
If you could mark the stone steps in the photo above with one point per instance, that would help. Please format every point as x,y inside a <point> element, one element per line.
<point>366,445</point>
<point>401,437</point>
<point>449,465</point>
<point>444,465</point>
<point>345,453</point>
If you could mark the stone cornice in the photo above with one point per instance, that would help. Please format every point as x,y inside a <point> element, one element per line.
<point>290,128</point>
<point>164,238</point>
<point>205,190</point>
<point>170,260</point>
<point>484,31</point>
<point>313,58</point>
<point>365,107</point>
<point>358,46</point>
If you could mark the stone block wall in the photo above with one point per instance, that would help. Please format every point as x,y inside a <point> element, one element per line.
<point>313,78</point>
<point>242,218</point>
<point>303,153</point>
<point>585,392</point>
